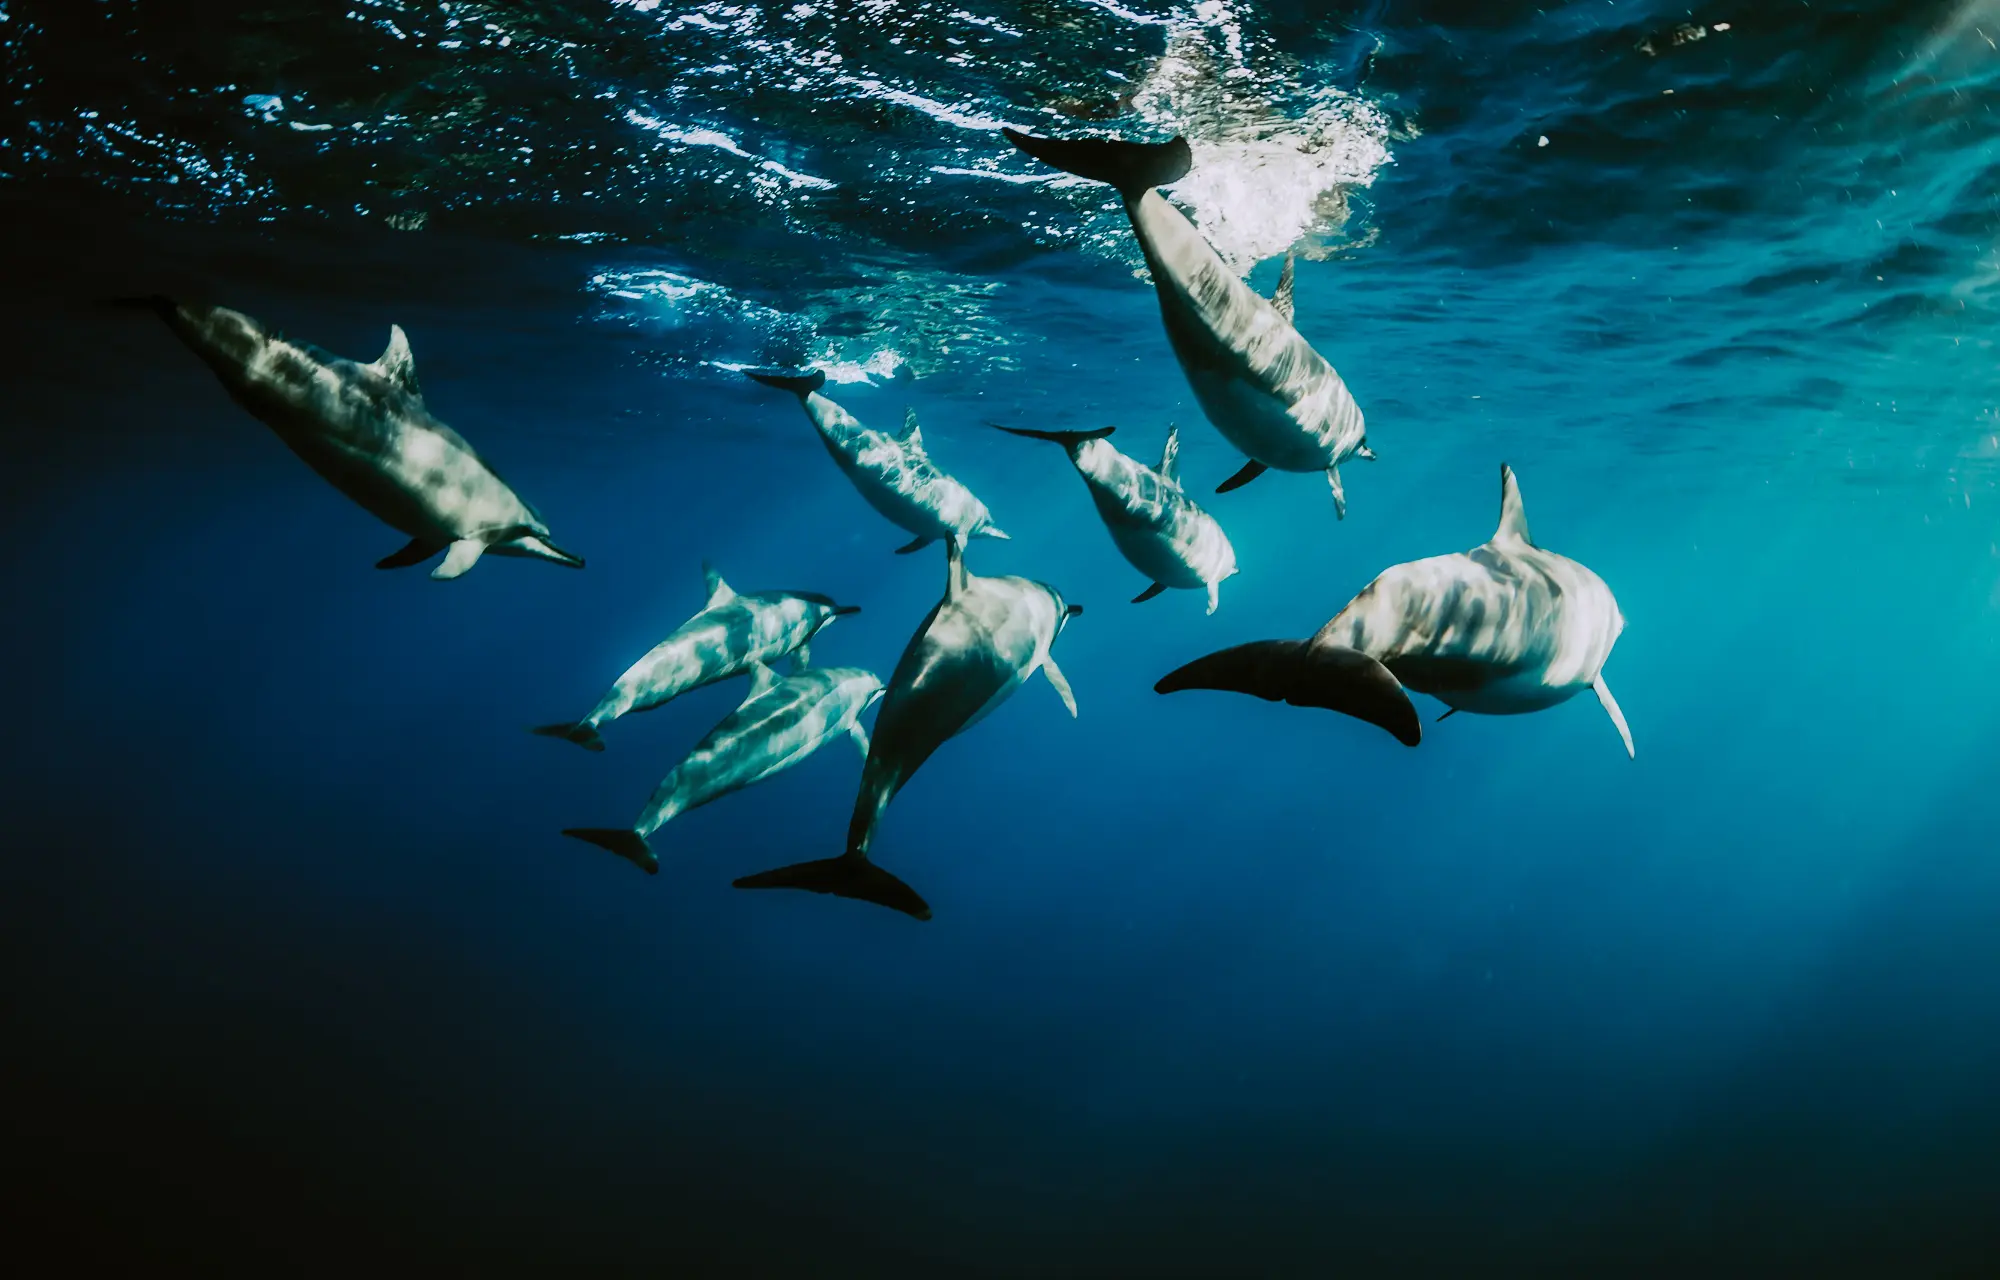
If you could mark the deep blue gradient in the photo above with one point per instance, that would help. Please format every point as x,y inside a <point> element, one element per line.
<point>299,967</point>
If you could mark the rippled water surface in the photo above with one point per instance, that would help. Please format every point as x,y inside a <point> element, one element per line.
<point>299,966</point>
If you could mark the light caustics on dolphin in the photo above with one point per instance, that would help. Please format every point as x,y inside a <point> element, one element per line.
<point>1502,629</point>
<point>978,645</point>
<point>1262,385</point>
<point>1156,526</point>
<point>781,723</point>
<point>729,637</point>
<point>894,472</point>
<point>366,430</point>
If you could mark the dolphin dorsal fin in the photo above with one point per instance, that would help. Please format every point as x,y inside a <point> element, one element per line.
<point>719,592</point>
<point>1513,516</point>
<point>1170,457</point>
<point>397,364</point>
<point>1281,297</point>
<point>954,561</point>
<point>911,434</point>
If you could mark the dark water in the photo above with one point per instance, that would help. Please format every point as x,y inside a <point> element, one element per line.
<point>298,967</point>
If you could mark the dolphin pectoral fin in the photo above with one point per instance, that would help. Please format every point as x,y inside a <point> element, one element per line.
<point>1131,167</point>
<point>1339,494</point>
<point>917,545</point>
<point>1250,471</point>
<point>418,551</point>
<point>1448,714</point>
<point>623,841</point>
<point>1617,717</point>
<point>583,733</point>
<point>463,555</point>
<point>802,657</point>
<point>1281,297</point>
<point>857,733</point>
<point>992,531</point>
<point>761,678</point>
<point>1306,675</point>
<point>1149,593</point>
<point>1364,453</point>
<point>1061,682</point>
<point>851,875</point>
<point>1214,597</point>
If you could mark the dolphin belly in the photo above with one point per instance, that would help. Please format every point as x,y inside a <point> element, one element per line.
<point>1483,689</point>
<point>1161,554</point>
<point>1260,423</point>
<point>906,501</point>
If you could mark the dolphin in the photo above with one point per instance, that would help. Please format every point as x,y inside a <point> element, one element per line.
<point>731,635</point>
<point>1157,528</point>
<point>366,430</point>
<point>779,725</point>
<point>1502,629</point>
<point>1262,385</point>
<point>893,472</point>
<point>978,645</point>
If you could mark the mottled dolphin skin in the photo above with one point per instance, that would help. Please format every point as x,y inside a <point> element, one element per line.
<point>779,725</point>
<point>1502,629</point>
<point>365,429</point>
<point>892,471</point>
<point>1262,385</point>
<point>1158,529</point>
<point>731,635</point>
<point>978,645</point>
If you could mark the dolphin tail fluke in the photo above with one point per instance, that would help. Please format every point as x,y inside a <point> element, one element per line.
<point>583,733</point>
<point>851,875</point>
<point>1067,439</point>
<point>1131,167</point>
<point>801,385</point>
<point>623,841</point>
<point>1305,674</point>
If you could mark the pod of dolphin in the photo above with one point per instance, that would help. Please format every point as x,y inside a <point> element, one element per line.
<point>1505,628</point>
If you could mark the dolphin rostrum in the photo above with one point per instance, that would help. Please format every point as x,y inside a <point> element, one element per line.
<point>1158,529</point>
<point>893,471</point>
<point>731,635</point>
<point>779,725</point>
<point>1504,628</point>
<point>978,645</point>
<point>366,430</point>
<point>1262,385</point>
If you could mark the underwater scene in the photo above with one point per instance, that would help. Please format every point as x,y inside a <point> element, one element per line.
<point>1059,638</point>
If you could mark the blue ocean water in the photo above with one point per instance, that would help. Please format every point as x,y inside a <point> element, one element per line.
<point>299,969</point>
